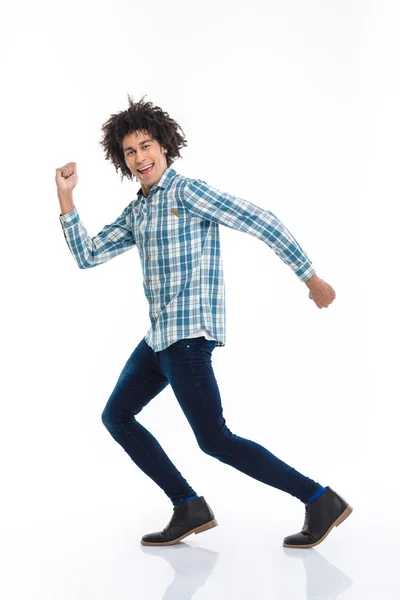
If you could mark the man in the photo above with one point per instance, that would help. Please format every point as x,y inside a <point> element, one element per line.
<point>173,222</point>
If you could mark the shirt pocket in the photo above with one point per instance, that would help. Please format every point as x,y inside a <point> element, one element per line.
<point>171,222</point>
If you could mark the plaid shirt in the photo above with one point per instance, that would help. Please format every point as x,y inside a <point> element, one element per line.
<point>175,230</point>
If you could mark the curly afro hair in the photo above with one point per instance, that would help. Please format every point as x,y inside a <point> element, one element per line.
<point>140,116</point>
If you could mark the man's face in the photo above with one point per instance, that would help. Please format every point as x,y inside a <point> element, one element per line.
<point>140,150</point>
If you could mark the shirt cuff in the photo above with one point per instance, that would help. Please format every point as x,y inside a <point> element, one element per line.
<point>306,271</point>
<point>69,218</point>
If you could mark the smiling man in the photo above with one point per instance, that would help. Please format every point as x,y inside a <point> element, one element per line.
<point>174,223</point>
<point>145,158</point>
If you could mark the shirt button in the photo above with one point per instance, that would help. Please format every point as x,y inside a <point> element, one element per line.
<point>148,218</point>
<point>147,257</point>
<point>165,212</point>
<point>153,322</point>
<point>147,238</point>
<point>147,280</point>
<point>149,200</point>
<point>151,301</point>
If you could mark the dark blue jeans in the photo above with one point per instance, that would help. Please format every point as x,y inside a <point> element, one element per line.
<point>186,365</point>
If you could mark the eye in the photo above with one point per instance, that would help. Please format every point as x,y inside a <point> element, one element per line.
<point>146,146</point>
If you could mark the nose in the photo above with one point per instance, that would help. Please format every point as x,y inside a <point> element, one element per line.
<point>139,159</point>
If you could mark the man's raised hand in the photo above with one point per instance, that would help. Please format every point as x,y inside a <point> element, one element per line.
<point>66,177</point>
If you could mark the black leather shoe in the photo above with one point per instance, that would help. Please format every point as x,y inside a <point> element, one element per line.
<point>191,516</point>
<point>326,512</point>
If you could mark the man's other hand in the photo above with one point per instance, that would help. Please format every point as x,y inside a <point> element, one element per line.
<point>320,291</point>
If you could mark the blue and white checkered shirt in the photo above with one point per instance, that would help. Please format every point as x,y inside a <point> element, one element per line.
<point>175,230</point>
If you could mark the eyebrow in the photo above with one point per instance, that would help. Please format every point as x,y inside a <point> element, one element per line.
<point>140,144</point>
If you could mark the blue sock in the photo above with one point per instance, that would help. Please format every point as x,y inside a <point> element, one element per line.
<point>191,497</point>
<point>316,495</point>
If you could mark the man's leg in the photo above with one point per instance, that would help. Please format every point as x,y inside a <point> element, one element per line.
<point>187,364</point>
<point>141,380</point>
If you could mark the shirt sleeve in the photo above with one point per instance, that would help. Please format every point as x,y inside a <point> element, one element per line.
<point>112,240</point>
<point>205,201</point>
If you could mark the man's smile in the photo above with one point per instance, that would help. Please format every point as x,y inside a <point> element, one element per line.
<point>147,169</point>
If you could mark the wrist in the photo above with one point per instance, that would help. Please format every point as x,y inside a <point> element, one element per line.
<point>312,281</point>
<point>64,194</point>
<point>66,201</point>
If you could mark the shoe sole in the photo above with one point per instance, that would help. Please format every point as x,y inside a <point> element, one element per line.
<point>196,530</point>
<point>346,513</point>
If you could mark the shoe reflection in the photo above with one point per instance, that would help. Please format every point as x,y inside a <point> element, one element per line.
<point>192,567</point>
<point>323,580</point>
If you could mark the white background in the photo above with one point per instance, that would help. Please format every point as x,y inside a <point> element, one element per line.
<point>292,105</point>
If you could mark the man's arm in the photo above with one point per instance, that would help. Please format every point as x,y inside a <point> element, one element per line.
<point>112,240</point>
<point>226,209</point>
<point>213,205</point>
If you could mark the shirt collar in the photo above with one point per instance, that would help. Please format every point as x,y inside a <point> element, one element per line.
<point>163,183</point>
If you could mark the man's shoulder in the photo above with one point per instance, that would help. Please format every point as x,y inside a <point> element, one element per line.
<point>186,178</point>
<point>188,183</point>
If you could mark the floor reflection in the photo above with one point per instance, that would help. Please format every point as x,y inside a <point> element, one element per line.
<point>192,567</point>
<point>323,580</point>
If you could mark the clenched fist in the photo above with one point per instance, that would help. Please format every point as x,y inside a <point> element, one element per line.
<point>321,292</point>
<point>66,177</point>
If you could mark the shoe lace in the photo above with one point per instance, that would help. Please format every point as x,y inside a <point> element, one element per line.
<point>306,519</point>
<point>173,518</point>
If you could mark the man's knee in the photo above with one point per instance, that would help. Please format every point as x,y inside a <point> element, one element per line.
<point>112,417</point>
<point>105,418</point>
<point>218,444</point>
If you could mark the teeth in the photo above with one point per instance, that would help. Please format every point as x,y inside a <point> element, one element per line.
<point>144,168</point>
